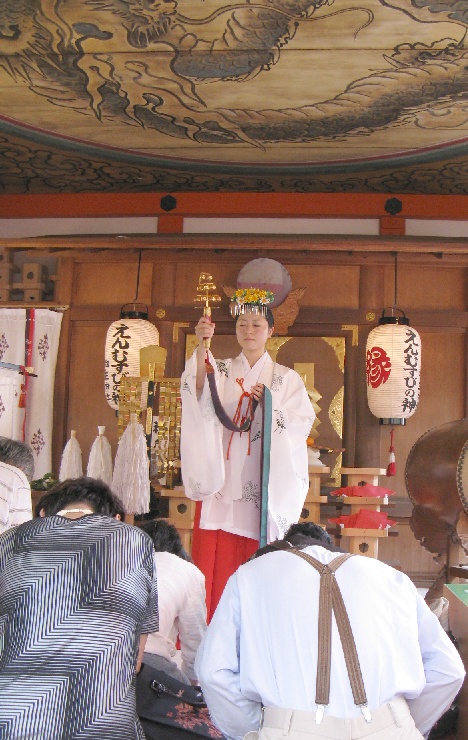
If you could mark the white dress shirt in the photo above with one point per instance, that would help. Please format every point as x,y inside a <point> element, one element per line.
<point>261,645</point>
<point>182,610</point>
<point>15,497</point>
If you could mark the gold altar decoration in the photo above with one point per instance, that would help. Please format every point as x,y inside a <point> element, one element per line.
<point>155,355</point>
<point>306,371</point>
<point>130,390</point>
<point>274,344</point>
<point>168,430</point>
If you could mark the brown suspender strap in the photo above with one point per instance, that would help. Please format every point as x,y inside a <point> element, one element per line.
<point>331,600</point>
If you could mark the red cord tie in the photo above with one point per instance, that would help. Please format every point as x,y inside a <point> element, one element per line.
<point>240,418</point>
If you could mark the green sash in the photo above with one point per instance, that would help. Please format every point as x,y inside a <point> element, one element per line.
<point>265,464</point>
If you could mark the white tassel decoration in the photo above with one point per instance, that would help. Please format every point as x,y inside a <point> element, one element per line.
<point>131,469</point>
<point>71,465</point>
<point>100,458</point>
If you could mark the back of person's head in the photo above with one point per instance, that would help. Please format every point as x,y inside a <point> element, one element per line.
<point>300,535</point>
<point>90,491</point>
<point>301,530</point>
<point>18,454</point>
<point>165,538</point>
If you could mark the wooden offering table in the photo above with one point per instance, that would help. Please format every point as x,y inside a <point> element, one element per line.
<point>363,541</point>
<point>181,513</point>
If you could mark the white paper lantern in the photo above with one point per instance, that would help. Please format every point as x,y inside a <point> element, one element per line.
<point>393,367</point>
<point>124,340</point>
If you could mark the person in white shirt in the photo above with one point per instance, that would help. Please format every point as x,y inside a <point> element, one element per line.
<point>181,602</point>
<point>16,472</point>
<point>259,655</point>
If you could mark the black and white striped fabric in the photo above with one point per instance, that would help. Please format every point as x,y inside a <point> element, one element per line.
<point>74,597</point>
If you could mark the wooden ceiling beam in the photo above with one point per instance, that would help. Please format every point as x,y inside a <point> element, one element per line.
<point>256,242</point>
<point>233,204</point>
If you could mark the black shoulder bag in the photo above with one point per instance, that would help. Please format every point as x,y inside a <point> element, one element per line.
<point>171,710</point>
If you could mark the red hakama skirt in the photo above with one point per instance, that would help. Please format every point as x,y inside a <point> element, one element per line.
<point>218,554</point>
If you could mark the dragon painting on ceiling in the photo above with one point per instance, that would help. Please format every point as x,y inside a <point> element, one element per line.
<point>267,83</point>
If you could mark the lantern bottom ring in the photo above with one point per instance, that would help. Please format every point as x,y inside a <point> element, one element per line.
<point>393,422</point>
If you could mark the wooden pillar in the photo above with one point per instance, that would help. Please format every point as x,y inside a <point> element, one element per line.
<point>311,509</point>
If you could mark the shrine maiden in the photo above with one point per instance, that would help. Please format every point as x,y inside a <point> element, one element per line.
<point>221,468</point>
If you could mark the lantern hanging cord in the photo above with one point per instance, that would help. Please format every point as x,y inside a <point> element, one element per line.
<point>395,255</point>
<point>138,277</point>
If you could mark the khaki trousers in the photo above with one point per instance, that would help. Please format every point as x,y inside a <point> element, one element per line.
<point>391,721</point>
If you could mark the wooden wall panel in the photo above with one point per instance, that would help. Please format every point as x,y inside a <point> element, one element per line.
<point>164,280</point>
<point>111,282</point>
<point>328,286</point>
<point>438,287</point>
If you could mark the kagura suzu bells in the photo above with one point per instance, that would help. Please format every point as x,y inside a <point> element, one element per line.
<point>393,367</point>
<point>124,340</point>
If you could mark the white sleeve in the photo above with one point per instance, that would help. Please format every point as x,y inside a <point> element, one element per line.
<point>192,624</point>
<point>292,418</point>
<point>201,445</point>
<point>217,668</point>
<point>21,505</point>
<point>443,669</point>
<point>299,411</point>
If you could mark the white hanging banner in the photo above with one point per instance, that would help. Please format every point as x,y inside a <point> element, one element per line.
<point>41,327</point>
<point>12,331</point>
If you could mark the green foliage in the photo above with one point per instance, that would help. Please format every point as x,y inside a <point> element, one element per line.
<point>44,483</point>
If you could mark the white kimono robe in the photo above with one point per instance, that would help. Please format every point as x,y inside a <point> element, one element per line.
<point>216,465</point>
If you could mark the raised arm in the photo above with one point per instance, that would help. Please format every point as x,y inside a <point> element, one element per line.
<point>203,330</point>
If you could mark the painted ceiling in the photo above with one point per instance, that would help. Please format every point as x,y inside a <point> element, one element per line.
<point>204,95</point>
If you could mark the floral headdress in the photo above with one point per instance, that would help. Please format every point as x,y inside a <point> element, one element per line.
<point>251,300</point>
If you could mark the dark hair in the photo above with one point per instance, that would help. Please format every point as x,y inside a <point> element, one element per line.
<point>18,454</point>
<point>165,538</point>
<point>268,315</point>
<point>300,535</point>
<point>307,529</point>
<point>91,491</point>
<point>270,318</point>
